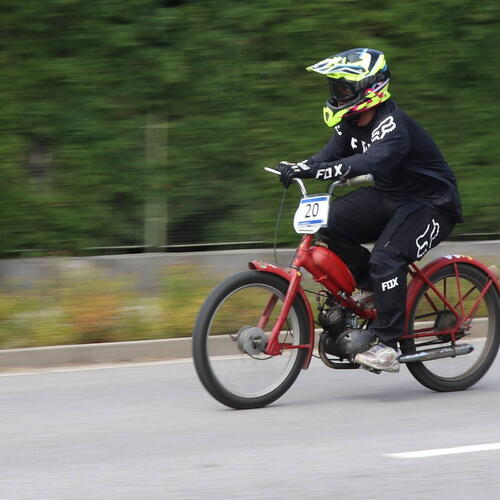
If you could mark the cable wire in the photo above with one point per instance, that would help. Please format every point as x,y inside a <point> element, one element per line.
<point>278,220</point>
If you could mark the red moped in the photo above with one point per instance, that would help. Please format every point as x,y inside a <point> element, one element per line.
<point>256,330</point>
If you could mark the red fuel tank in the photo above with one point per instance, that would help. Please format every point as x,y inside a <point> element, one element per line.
<point>330,270</point>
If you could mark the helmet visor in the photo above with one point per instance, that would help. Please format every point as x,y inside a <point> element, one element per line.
<point>342,92</point>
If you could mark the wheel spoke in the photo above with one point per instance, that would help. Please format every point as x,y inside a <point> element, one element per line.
<point>267,312</point>
<point>460,299</point>
<point>478,301</point>
<point>431,302</point>
<point>229,341</point>
<point>426,315</point>
<point>474,320</point>
<point>466,296</point>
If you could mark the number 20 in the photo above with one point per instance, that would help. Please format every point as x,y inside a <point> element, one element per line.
<point>312,210</point>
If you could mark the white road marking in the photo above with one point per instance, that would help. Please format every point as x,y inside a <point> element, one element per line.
<point>446,451</point>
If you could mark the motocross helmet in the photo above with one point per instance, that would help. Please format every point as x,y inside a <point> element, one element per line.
<point>358,80</point>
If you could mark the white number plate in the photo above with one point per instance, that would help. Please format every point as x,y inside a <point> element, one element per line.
<point>312,214</point>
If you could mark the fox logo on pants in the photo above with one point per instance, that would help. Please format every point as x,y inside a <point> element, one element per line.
<point>424,241</point>
<point>389,284</point>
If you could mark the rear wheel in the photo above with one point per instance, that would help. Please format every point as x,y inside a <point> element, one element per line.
<point>472,293</point>
<point>230,336</point>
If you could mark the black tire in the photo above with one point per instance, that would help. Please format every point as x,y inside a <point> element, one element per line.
<point>456,374</point>
<point>233,302</point>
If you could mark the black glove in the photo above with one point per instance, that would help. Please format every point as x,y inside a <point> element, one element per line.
<point>290,171</point>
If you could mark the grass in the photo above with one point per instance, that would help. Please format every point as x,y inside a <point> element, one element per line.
<point>85,308</point>
<point>92,309</point>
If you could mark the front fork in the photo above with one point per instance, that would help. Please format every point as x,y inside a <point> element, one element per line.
<point>274,347</point>
<point>294,277</point>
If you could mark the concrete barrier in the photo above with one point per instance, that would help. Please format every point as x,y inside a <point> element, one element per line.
<point>147,272</point>
<point>113,352</point>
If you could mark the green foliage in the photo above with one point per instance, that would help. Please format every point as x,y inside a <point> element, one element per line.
<point>80,81</point>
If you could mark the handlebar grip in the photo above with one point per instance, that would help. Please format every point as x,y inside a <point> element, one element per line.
<point>272,170</point>
<point>360,179</point>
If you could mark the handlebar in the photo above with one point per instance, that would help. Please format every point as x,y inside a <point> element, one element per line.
<point>354,181</point>
<point>300,183</point>
<point>360,179</point>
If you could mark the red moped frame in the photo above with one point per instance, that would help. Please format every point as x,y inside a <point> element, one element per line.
<point>331,272</point>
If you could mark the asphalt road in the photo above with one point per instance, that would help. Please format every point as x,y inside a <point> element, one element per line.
<point>151,432</point>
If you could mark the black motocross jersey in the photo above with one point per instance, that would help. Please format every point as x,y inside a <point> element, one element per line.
<point>402,157</point>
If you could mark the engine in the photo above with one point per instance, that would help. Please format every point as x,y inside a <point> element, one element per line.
<point>339,338</point>
<point>334,319</point>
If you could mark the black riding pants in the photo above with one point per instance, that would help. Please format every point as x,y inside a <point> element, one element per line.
<point>402,231</point>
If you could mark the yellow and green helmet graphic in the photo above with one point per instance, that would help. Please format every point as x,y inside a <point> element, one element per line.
<point>358,80</point>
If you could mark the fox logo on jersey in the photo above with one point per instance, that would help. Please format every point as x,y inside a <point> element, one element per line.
<point>383,128</point>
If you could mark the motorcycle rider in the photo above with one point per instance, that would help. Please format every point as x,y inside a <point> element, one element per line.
<point>413,205</point>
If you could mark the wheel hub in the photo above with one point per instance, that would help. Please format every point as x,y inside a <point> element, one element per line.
<point>445,320</point>
<point>251,340</point>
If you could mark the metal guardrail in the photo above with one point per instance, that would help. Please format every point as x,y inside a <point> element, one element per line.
<point>222,245</point>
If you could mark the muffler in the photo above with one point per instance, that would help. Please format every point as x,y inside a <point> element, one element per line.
<point>437,353</point>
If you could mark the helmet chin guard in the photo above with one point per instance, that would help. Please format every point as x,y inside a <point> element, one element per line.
<point>334,115</point>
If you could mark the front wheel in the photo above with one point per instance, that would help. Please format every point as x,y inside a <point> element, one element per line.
<point>473,295</point>
<point>230,336</point>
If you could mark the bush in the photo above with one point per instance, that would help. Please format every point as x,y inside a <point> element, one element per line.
<point>117,115</point>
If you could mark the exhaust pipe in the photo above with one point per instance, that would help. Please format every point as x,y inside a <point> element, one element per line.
<point>437,353</point>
